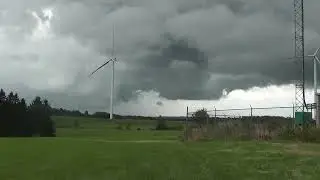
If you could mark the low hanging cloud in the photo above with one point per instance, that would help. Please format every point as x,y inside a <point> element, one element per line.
<point>181,49</point>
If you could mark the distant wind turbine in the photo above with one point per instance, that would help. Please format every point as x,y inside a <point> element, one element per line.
<point>112,60</point>
<point>315,82</point>
<point>315,61</point>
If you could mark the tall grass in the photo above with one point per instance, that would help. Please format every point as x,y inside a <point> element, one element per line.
<point>253,129</point>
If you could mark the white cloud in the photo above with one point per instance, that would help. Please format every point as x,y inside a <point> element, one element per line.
<point>271,96</point>
<point>43,61</point>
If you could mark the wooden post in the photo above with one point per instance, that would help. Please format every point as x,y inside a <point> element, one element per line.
<point>186,124</point>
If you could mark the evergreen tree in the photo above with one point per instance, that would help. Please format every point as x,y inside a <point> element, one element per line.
<point>19,120</point>
<point>36,115</point>
<point>3,118</point>
<point>16,99</point>
<point>48,128</point>
<point>10,98</point>
<point>26,124</point>
<point>2,96</point>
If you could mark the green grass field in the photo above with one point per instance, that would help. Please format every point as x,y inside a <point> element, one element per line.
<point>98,150</point>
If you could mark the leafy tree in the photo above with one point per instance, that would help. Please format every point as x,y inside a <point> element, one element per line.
<point>201,116</point>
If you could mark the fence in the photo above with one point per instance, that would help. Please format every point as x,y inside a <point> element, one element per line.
<point>283,111</point>
<point>256,122</point>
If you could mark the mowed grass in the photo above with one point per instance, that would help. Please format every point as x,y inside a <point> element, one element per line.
<point>121,154</point>
<point>104,129</point>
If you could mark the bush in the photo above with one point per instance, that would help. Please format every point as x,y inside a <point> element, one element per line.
<point>128,126</point>
<point>287,133</point>
<point>303,134</point>
<point>176,128</point>
<point>162,124</point>
<point>315,134</point>
<point>76,124</point>
<point>263,129</point>
<point>119,126</point>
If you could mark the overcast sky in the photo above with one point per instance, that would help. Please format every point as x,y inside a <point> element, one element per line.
<point>172,53</point>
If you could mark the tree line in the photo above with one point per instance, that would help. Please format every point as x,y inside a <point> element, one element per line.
<point>18,119</point>
<point>104,115</point>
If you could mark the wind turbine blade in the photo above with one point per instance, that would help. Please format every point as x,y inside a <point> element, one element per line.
<point>317,59</point>
<point>100,67</point>
<point>295,57</point>
<point>316,52</point>
<point>113,42</point>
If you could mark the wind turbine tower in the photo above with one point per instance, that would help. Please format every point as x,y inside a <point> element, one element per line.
<point>112,75</point>
<point>112,60</point>
<point>315,86</point>
<point>315,69</point>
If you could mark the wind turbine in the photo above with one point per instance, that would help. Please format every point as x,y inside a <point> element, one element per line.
<point>112,60</point>
<point>315,61</point>
<point>315,81</point>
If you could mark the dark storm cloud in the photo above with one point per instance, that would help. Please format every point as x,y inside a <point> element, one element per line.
<point>178,71</point>
<point>184,49</point>
<point>159,103</point>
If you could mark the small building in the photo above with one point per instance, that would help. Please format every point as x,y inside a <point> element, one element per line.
<point>303,118</point>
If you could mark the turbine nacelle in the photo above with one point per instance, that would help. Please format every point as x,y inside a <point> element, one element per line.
<point>315,55</point>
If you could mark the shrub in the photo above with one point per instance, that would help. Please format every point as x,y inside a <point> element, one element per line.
<point>177,127</point>
<point>128,126</point>
<point>119,126</point>
<point>303,134</point>
<point>287,133</point>
<point>263,129</point>
<point>314,135</point>
<point>161,124</point>
<point>76,124</point>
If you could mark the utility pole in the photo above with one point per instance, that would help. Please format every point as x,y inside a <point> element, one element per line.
<point>186,125</point>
